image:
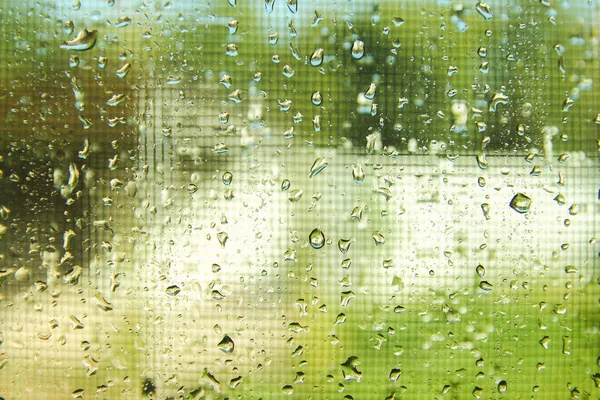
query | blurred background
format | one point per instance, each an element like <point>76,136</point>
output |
<point>310,199</point>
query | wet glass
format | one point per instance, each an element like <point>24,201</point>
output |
<point>348,199</point>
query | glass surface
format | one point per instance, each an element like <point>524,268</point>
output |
<point>336,199</point>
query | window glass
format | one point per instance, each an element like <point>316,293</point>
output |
<point>262,199</point>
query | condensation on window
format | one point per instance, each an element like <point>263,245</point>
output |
<point>337,199</point>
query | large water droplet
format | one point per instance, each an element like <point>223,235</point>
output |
<point>226,345</point>
<point>84,40</point>
<point>349,371</point>
<point>521,203</point>
<point>316,238</point>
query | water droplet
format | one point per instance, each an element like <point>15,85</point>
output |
<point>485,207</point>
<point>84,40</point>
<point>349,369</point>
<point>481,181</point>
<point>452,69</point>
<point>220,148</point>
<point>287,389</point>
<point>285,185</point>
<point>567,104</point>
<point>482,161</point>
<point>394,374</point>
<point>316,98</point>
<point>173,290</point>
<point>446,389</point>
<point>346,297</point>
<point>545,342</point>
<point>502,387</point>
<point>69,27</point>
<point>485,285</point>
<point>358,173</point>
<point>357,213</point>
<point>295,195</point>
<point>316,238</point>
<point>397,21</point>
<point>232,3</point>
<point>285,105</point>
<point>226,345</point>
<point>269,4</point>
<point>358,49</point>
<point>227,178</point>
<point>378,238</point>
<point>521,203</point>
<point>495,100</point>
<point>115,100</point>
<point>292,6</point>
<point>102,61</point>
<point>233,26</point>
<point>123,22</point>
<point>124,70</point>
<point>344,244</point>
<point>480,270</point>
<point>191,188</point>
<point>316,59</point>
<point>73,61</point>
<point>566,347</point>
<point>318,165</point>
<point>484,10</point>
<point>370,93</point>
<point>288,72</point>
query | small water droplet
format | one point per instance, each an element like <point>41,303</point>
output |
<point>124,70</point>
<point>378,238</point>
<point>295,195</point>
<point>357,213</point>
<point>287,389</point>
<point>358,49</point>
<point>285,185</point>
<point>495,100</point>
<point>316,238</point>
<point>318,165</point>
<point>371,91</point>
<point>480,270</point>
<point>316,59</point>
<point>292,6</point>
<point>545,342</point>
<point>485,285</point>
<point>484,10</point>
<point>173,290</point>
<point>358,173</point>
<point>482,161</point>
<point>233,26</point>
<point>567,104</point>
<point>222,237</point>
<point>227,178</point>
<point>316,98</point>
<point>344,245</point>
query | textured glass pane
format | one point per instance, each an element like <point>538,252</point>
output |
<point>336,199</point>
